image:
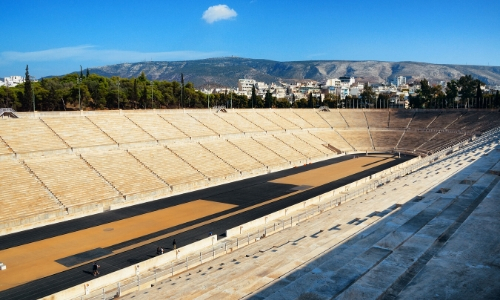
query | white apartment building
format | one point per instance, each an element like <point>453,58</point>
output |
<point>335,82</point>
<point>12,81</point>
<point>398,81</point>
<point>347,81</point>
<point>245,85</point>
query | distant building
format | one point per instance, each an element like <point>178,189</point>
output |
<point>245,85</point>
<point>334,82</point>
<point>347,81</point>
<point>12,81</point>
<point>398,81</point>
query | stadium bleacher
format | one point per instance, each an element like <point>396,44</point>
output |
<point>232,142</point>
<point>377,119</point>
<point>78,132</point>
<point>334,118</point>
<point>188,125</point>
<point>157,127</point>
<point>265,124</point>
<point>243,124</point>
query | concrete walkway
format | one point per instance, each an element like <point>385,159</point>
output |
<point>344,251</point>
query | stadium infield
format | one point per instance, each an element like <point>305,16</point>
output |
<point>51,258</point>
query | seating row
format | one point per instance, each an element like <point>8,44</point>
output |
<point>29,135</point>
<point>71,180</point>
<point>22,194</point>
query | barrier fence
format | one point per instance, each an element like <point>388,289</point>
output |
<point>150,277</point>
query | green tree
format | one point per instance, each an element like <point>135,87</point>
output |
<point>253,99</point>
<point>425,92</point>
<point>467,88</point>
<point>28,92</point>
<point>496,100</point>
<point>479,95</point>
<point>451,92</point>
<point>310,101</point>
<point>268,99</point>
<point>368,95</point>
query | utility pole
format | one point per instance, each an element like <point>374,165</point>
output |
<point>33,95</point>
<point>118,94</point>
<point>78,81</point>
<point>152,106</point>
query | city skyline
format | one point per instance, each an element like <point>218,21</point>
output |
<point>56,38</point>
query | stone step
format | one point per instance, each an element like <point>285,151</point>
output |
<point>391,275</point>
<point>355,253</point>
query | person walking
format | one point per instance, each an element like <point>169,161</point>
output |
<point>95,269</point>
<point>174,244</point>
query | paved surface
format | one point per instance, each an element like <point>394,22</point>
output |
<point>255,193</point>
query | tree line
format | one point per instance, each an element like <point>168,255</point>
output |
<point>95,92</point>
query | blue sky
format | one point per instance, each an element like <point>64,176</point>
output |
<point>56,37</point>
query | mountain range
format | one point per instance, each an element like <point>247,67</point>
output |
<point>225,71</point>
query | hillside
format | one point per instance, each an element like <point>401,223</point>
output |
<point>227,70</point>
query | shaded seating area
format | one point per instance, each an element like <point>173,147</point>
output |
<point>377,119</point>
<point>423,119</point>
<point>354,119</point>
<point>386,140</point>
<point>445,119</point>
<point>359,139</point>
<point>412,140</point>
<point>443,139</point>
<point>400,118</point>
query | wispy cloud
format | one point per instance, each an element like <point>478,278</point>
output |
<point>218,12</point>
<point>93,53</point>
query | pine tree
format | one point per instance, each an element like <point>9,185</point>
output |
<point>254,96</point>
<point>81,72</point>
<point>479,94</point>
<point>28,92</point>
<point>268,99</point>
<point>88,73</point>
<point>310,101</point>
<point>182,90</point>
<point>134,94</point>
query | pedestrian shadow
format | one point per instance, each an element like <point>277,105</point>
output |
<point>88,272</point>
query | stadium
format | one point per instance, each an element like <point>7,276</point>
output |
<point>261,203</point>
